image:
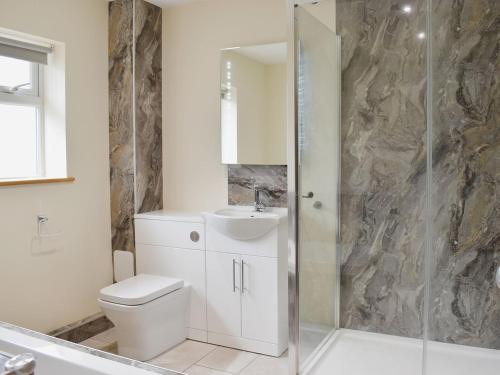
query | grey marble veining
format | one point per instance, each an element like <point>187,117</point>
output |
<point>135,135</point>
<point>121,137</point>
<point>383,166</point>
<point>272,179</point>
<point>465,302</point>
<point>148,104</point>
<point>384,170</point>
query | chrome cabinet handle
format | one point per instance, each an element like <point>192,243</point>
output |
<point>308,195</point>
<point>234,275</point>
<point>242,276</point>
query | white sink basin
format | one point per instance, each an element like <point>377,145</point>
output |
<point>242,224</point>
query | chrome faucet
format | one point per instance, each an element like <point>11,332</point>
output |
<point>22,364</point>
<point>258,205</point>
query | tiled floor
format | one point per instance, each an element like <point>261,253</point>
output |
<point>105,341</point>
<point>199,358</point>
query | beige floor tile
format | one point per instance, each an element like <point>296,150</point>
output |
<point>91,343</point>
<point>265,365</point>
<point>105,337</point>
<point>229,360</point>
<point>199,370</point>
<point>183,355</point>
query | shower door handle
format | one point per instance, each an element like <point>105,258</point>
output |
<point>308,195</point>
<point>498,276</point>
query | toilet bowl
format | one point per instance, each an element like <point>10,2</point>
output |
<point>149,313</point>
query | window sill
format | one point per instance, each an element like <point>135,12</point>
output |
<point>35,181</point>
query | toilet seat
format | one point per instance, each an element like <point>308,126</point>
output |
<point>140,289</point>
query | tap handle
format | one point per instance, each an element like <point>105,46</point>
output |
<point>22,364</point>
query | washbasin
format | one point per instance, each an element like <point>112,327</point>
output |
<point>242,224</point>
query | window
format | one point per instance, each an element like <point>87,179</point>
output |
<point>21,110</point>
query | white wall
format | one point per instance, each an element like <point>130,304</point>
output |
<point>46,292</point>
<point>193,35</point>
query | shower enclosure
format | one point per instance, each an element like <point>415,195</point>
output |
<point>395,190</point>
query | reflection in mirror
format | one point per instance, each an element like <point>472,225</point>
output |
<point>253,104</point>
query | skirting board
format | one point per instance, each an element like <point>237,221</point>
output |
<point>246,344</point>
<point>83,329</point>
<point>197,334</point>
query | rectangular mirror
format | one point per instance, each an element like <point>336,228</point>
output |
<point>253,104</point>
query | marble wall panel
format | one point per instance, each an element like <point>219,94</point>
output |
<point>271,178</point>
<point>148,104</point>
<point>384,169</point>
<point>465,302</point>
<point>121,136</point>
<point>135,115</point>
<point>383,166</point>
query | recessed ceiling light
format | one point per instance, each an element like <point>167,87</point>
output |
<point>421,35</point>
<point>407,9</point>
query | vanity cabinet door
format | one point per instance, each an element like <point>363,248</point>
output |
<point>259,298</point>
<point>223,293</point>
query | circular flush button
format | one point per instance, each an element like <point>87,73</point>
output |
<point>195,236</point>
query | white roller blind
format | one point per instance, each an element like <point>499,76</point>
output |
<point>24,51</point>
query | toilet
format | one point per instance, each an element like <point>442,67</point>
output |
<point>149,313</point>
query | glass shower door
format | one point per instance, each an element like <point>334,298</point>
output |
<point>317,174</point>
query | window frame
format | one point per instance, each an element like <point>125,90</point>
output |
<point>32,97</point>
<point>34,90</point>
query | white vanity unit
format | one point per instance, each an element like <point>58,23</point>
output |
<point>235,260</point>
<point>247,294</point>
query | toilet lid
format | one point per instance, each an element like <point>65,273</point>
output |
<point>140,289</point>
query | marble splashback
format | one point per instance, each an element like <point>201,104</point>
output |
<point>384,170</point>
<point>135,115</point>
<point>271,178</point>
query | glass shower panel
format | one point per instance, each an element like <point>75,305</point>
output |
<point>317,173</point>
<point>464,300</point>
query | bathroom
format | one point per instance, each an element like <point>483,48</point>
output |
<point>250,187</point>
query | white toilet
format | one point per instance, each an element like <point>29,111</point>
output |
<point>149,313</point>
